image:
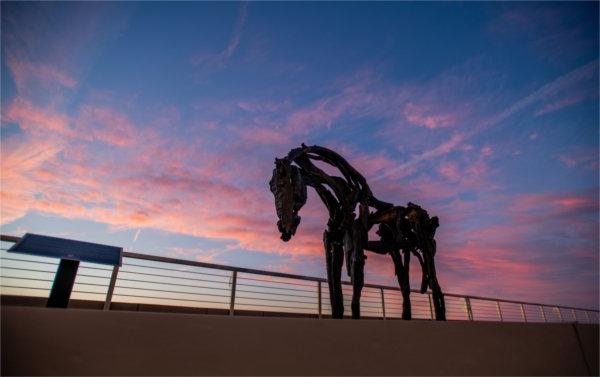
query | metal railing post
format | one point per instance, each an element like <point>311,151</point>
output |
<point>523,312</point>
<point>319,295</point>
<point>382,302</point>
<point>574,315</point>
<point>499,311</point>
<point>111,288</point>
<point>543,313</point>
<point>469,310</point>
<point>587,316</point>
<point>232,302</point>
<point>559,313</point>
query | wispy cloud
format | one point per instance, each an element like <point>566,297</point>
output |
<point>23,72</point>
<point>586,158</point>
<point>548,31</point>
<point>35,119</point>
<point>422,116</point>
<point>218,60</point>
<point>442,149</point>
<point>103,124</point>
<point>544,93</point>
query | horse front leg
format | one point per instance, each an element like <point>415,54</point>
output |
<point>337,297</point>
<point>328,265</point>
<point>358,266</point>
<point>402,276</point>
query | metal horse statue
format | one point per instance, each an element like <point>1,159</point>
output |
<point>402,231</point>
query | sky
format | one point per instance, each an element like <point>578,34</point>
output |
<point>154,126</point>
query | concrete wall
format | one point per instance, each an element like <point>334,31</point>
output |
<point>98,305</point>
<point>92,342</point>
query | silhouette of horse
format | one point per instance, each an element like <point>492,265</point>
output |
<point>402,230</point>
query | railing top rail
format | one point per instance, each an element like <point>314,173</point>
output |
<point>156,258</point>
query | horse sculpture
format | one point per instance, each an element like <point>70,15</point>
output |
<point>402,230</point>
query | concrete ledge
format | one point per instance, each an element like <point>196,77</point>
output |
<point>39,341</point>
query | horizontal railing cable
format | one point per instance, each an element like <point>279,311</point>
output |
<point>173,284</point>
<point>174,269</point>
<point>171,299</point>
<point>171,277</point>
<point>268,287</point>
<point>169,291</point>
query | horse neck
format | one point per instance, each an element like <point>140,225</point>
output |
<point>353,180</point>
<point>339,199</point>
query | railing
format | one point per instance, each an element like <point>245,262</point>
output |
<point>157,280</point>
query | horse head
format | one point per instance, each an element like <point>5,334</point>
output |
<point>289,191</point>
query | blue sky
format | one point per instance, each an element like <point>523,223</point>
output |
<point>154,126</point>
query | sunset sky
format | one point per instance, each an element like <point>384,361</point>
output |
<point>154,126</point>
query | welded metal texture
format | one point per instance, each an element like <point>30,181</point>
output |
<point>403,231</point>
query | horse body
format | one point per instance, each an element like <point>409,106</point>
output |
<point>403,230</point>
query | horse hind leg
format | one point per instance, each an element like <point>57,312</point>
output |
<point>337,300</point>
<point>406,285</point>
<point>357,284</point>
<point>438,299</point>
<point>436,292</point>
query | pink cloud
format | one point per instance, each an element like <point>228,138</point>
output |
<point>92,124</point>
<point>581,157</point>
<point>257,135</point>
<point>321,114</point>
<point>106,125</point>
<point>25,72</point>
<point>424,116</point>
<point>525,244</point>
<point>25,155</point>
<point>488,270</point>
<point>552,201</point>
<point>450,170</point>
<point>170,194</point>
<point>36,119</point>
<point>370,164</point>
<point>487,151</point>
